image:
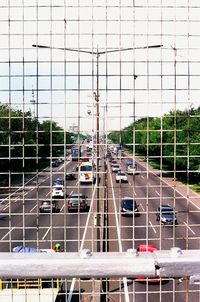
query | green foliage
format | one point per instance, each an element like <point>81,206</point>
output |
<point>173,139</point>
<point>27,144</point>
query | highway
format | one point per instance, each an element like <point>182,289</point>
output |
<point>150,191</point>
<point>22,224</point>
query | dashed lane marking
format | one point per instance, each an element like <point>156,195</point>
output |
<point>157,192</point>
<point>142,207</point>
<point>7,233</point>
<point>46,233</point>
<point>189,228</point>
<point>152,227</point>
<point>33,208</point>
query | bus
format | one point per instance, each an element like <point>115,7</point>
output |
<point>87,173</point>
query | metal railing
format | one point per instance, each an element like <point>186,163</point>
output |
<point>174,263</point>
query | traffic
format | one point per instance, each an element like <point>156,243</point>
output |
<point>61,208</point>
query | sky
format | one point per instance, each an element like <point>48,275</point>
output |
<point>63,82</point>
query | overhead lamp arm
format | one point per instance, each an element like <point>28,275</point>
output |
<point>97,52</point>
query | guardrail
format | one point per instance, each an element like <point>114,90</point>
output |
<point>174,263</point>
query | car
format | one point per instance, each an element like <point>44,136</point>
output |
<point>121,177</point>
<point>111,159</point>
<point>58,181</point>
<point>166,215</point>
<point>77,201</point>
<point>147,248</point>
<point>48,206</point>
<point>129,206</point>
<point>131,168</point>
<point>61,160</point>
<point>108,154</point>
<point>89,152</point>
<point>54,163</point>
<point>129,163</point>
<point>113,162</point>
<point>70,176</point>
<point>115,168</point>
<point>58,191</point>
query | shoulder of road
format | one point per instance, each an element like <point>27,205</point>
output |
<point>175,184</point>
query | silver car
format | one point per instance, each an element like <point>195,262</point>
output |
<point>76,202</point>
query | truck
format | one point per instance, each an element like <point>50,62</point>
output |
<point>118,151</point>
<point>75,153</point>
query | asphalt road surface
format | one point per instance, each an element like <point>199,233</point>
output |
<point>150,191</point>
<point>21,223</point>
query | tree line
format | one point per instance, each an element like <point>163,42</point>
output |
<point>26,144</point>
<point>171,142</point>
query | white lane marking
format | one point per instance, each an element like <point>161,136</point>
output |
<point>142,176</point>
<point>116,218</point>
<point>189,228</point>
<point>7,233</point>
<point>152,226</point>
<point>142,207</point>
<point>33,208</point>
<point>48,194</point>
<point>8,197</point>
<point>42,181</point>
<point>82,241</point>
<point>7,206</point>
<point>16,199</point>
<point>62,207</point>
<point>62,166</point>
<point>176,190</point>
<point>119,236</point>
<point>46,233</point>
<point>157,192</point>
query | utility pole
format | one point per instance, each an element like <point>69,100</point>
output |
<point>98,155</point>
<point>97,100</point>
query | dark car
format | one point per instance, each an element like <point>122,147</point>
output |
<point>48,206</point>
<point>55,163</point>
<point>58,181</point>
<point>129,207</point>
<point>111,159</point>
<point>70,176</point>
<point>76,202</point>
<point>113,162</point>
<point>166,215</point>
<point>108,154</point>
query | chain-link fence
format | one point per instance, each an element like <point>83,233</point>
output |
<point>99,150</point>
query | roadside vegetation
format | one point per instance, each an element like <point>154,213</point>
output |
<point>27,145</point>
<point>171,143</point>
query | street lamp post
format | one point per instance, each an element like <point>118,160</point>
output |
<point>96,94</point>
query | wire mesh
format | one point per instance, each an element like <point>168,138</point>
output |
<point>110,81</point>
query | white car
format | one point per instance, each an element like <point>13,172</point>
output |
<point>115,168</point>
<point>121,177</point>
<point>131,169</point>
<point>58,191</point>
